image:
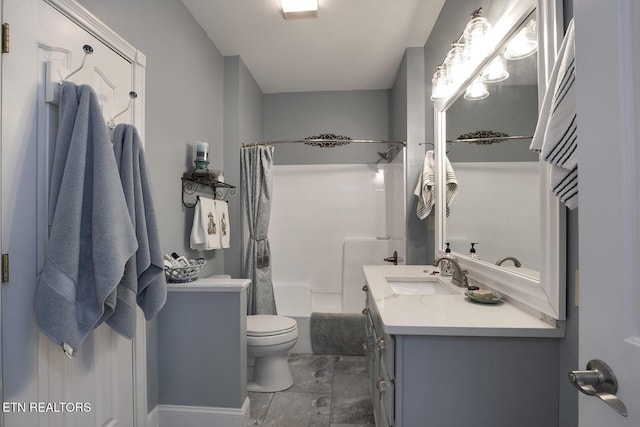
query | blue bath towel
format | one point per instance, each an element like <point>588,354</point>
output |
<point>91,235</point>
<point>143,282</point>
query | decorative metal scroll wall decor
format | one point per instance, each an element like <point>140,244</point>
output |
<point>327,140</point>
<point>483,137</point>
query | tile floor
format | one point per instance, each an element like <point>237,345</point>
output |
<point>327,391</point>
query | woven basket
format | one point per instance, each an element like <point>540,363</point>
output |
<point>185,274</point>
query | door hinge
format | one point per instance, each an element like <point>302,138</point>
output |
<point>5,268</point>
<point>5,38</point>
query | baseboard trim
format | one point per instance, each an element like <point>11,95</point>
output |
<point>152,417</point>
<point>198,416</point>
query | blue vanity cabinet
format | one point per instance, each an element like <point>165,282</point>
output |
<point>379,349</point>
<point>453,380</point>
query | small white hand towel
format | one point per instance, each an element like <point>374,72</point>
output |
<point>205,232</point>
<point>556,132</point>
<point>425,187</point>
<point>222,209</point>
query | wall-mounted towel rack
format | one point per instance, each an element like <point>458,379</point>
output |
<point>191,182</point>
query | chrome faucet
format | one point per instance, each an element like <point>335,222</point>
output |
<point>392,259</point>
<point>509,258</point>
<point>459,275</point>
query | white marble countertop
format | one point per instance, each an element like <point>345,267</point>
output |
<point>447,315</point>
<point>210,284</point>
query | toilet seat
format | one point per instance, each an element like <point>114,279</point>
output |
<point>262,325</point>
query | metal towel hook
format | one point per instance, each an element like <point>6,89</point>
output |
<point>88,50</point>
<point>132,95</point>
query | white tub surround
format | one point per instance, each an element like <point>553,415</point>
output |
<point>452,361</point>
<point>202,354</point>
<point>449,315</point>
<point>353,218</point>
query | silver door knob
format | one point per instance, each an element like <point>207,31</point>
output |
<point>598,380</point>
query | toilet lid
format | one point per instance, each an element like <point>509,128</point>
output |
<point>261,325</point>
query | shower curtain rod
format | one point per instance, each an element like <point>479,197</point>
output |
<point>318,140</point>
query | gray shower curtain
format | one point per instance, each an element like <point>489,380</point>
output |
<point>256,163</point>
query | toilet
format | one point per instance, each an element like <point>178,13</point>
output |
<point>269,339</point>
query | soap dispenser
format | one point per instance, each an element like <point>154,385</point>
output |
<point>472,251</point>
<point>446,269</point>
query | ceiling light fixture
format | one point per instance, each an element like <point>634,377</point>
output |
<point>299,8</point>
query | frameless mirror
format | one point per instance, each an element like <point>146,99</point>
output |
<point>502,205</point>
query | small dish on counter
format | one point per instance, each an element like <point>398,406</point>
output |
<point>482,297</point>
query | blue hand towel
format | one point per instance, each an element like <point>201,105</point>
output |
<point>91,235</point>
<point>143,282</point>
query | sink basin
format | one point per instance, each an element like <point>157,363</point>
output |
<point>424,287</point>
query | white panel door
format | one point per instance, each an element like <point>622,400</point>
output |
<point>97,388</point>
<point>608,92</point>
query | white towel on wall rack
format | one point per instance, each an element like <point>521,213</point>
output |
<point>426,186</point>
<point>222,209</point>
<point>556,135</point>
<point>205,231</point>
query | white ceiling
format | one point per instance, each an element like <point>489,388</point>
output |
<point>350,45</point>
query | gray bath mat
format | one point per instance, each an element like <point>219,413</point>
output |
<point>337,333</point>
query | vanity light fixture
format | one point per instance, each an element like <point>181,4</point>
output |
<point>476,34</point>
<point>299,8</point>
<point>439,86</point>
<point>496,71</point>
<point>470,49</point>
<point>476,90</point>
<point>455,63</point>
<point>524,43</point>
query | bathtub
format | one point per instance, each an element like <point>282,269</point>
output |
<point>294,300</point>
<point>299,299</point>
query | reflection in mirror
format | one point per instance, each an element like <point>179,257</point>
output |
<point>503,202</point>
<point>497,205</point>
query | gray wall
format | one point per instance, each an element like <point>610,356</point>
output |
<point>243,115</point>
<point>184,103</point>
<point>184,99</point>
<point>408,123</point>
<point>356,114</point>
